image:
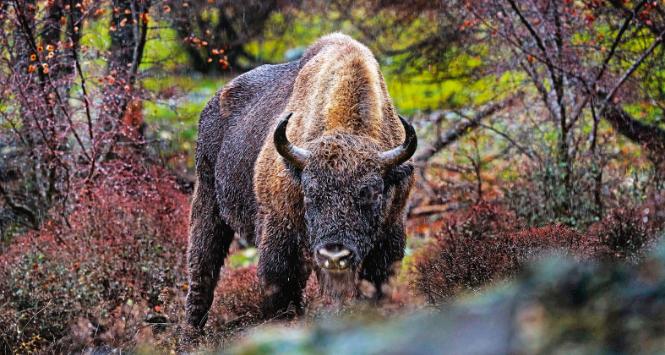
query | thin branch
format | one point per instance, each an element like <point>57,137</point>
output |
<point>459,131</point>
<point>591,88</point>
<point>532,31</point>
<point>77,63</point>
<point>616,42</point>
<point>46,79</point>
<point>594,130</point>
<point>525,151</point>
<point>636,64</point>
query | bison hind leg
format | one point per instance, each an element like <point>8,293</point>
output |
<point>209,242</point>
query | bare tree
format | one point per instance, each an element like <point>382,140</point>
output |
<point>53,137</point>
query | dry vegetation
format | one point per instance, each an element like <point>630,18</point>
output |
<point>541,132</point>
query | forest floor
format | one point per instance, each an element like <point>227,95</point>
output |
<point>114,277</point>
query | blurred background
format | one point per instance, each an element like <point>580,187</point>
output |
<point>541,130</point>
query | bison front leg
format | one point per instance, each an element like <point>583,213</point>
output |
<point>282,269</point>
<point>379,264</point>
<point>209,243</point>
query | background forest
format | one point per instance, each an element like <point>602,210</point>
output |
<point>540,175</point>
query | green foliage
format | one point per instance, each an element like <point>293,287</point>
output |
<point>243,258</point>
<point>423,92</point>
<point>163,50</point>
<point>284,34</point>
<point>174,119</point>
<point>413,86</point>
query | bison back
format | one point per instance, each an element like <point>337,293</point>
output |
<point>232,130</point>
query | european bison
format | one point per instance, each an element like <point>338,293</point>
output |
<point>310,158</point>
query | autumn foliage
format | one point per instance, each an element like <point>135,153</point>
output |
<point>487,244</point>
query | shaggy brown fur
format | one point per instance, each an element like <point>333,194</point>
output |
<point>343,115</point>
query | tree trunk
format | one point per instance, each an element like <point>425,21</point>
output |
<point>652,138</point>
<point>129,27</point>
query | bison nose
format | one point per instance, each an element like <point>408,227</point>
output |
<point>334,257</point>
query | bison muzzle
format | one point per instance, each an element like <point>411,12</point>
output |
<point>309,160</point>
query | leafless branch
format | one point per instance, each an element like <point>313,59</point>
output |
<point>461,129</point>
<point>656,42</point>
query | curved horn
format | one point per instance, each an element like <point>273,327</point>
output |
<point>293,154</point>
<point>399,155</point>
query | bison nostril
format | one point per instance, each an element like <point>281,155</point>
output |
<point>334,257</point>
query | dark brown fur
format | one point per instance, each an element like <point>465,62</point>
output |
<point>342,113</point>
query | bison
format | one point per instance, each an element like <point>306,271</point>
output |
<point>309,160</point>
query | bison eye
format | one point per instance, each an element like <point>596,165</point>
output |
<point>368,195</point>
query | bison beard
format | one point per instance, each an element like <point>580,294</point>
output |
<point>310,160</point>
<point>338,285</point>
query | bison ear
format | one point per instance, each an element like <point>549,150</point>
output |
<point>397,174</point>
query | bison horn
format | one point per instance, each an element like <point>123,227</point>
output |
<point>293,154</point>
<point>399,155</point>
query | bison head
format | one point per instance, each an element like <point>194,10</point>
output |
<point>348,185</point>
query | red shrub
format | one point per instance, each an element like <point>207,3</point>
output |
<point>625,233</point>
<point>105,273</point>
<point>482,246</point>
<point>237,297</point>
<point>485,243</point>
<point>552,237</point>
